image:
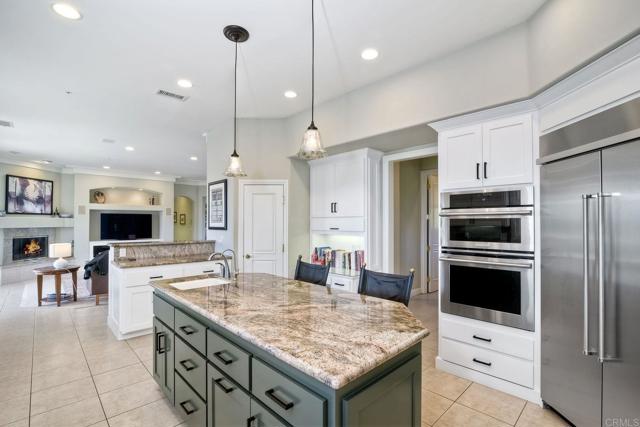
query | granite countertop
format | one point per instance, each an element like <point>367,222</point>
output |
<point>159,243</point>
<point>333,336</point>
<point>153,262</point>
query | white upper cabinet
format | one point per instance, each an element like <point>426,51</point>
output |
<point>460,157</point>
<point>499,152</point>
<point>322,177</point>
<point>507,151</point>
<point>349,188</point>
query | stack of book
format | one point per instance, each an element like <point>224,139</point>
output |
<point>338,258</point>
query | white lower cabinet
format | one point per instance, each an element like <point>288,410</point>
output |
<point>501,352</point>
<point>131,296</point>
<point>343,282</point>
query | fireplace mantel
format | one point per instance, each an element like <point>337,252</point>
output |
<point>35,221</point>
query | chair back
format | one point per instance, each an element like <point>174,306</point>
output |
<point>394,287</point>
<point>311,273</point>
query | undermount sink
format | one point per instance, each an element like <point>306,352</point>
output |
<point>200,283</point>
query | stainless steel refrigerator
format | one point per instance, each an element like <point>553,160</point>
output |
<point>590,228</point>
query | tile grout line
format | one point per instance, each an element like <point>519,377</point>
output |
<point>521,412</point>
<point>73,321</point>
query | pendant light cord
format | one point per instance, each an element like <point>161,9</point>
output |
<point>235,97</point>
<point>313,59</point>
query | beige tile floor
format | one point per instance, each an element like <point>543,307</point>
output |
<point>61,366</point>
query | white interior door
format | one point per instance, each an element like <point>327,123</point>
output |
<point>263,229</point>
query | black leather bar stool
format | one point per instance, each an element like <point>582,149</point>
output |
<point>311,273</point>
<point>394,287</point>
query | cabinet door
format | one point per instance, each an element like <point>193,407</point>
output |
<point>232,405</point>
<point>460,157</point>
<point>507,151</point>
<point>163,358</point>
<point>137,309</point>
<point>349,187</point>
<point>322,177</point>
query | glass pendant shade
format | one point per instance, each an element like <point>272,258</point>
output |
<point>235,166</point>
<point>311,147</point>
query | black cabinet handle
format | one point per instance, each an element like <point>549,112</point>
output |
<point>335,207</point>
<point>250,421</point>
<point>482,362</point>
<point>155,277</point>
<point>218,355</point>
<point>188,365</point>
<point>225,389</point>
<point>160,345</point>
<point>284,405</point>
<point>334,228</point>
<point>338,284</point>
<point>208,271</point>
<point>485,170</point>
<point>189,410</point>
<point>482,339</point>
<point>477,170</point>
<point>188,329</point>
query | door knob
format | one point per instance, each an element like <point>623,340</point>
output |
<point>247,256</point>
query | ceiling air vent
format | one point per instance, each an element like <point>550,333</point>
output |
<point>6,123</point>
<point>172,95</point>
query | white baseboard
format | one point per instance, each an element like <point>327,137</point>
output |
<point>478,377</point>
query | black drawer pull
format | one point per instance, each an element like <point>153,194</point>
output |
<point>160,342</point>
<point>218,355</point>
<point>225,389</point>
<point>188,329</point>
<point>188,365</point>
<point>208,271</point>
<point>250,421</point>
<point>482,339</point>
<point>334,228</point>
<point>284,405</point>
<point>482,362</point>
<point>155,277</point>
<point>190,410</point>
<point>338,284</point>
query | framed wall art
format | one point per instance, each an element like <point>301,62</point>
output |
<point>217,205</point>
<point>28,196</point>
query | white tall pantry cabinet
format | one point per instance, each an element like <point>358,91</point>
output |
<point>346,208</point>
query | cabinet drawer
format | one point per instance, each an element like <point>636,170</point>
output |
<point>163,311</point>
<point>337,224</point>
<point>191,331</point>
<point>344,283</point>
<point>231,404</point>
<point>499,365</point>
<point>191,366</point>
<point>200,268</point>
<point>189,405</point>
<point>489,338</point>
<point>290,400</point>
<point>229,358</point>
<point>261,417</point>
<point>142,276</point>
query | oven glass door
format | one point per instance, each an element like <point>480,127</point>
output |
<point>487,230</point>
<point>497,290</point>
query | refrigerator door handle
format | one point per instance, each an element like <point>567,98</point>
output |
<point>586,350</point>
<point>602,357</point>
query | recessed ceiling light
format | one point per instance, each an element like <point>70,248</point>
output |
<point>369,54</point>
<point>106,167</point>
<point>129,148</point>
<point>290,94</point>
<point>185,83</point>
<point>194,158</point>
<point>157,172</point>
<point>67,11</point>
<point>44,162</point>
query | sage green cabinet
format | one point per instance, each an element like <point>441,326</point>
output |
<point>163,353</point>
<point>393,399</point>
<point>261,417</point>
<point>190,406</point>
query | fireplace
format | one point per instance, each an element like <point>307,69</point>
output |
<point>30,247</point>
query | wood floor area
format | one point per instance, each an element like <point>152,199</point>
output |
<point>62,367</point>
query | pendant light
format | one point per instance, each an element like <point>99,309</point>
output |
<point>237,35</point>
<point>311,147</point>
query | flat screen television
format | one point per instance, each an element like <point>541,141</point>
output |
<point>125,226</point>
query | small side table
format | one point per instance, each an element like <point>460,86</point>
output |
<point>57,272</point>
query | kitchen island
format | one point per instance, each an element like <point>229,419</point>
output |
<point>269,351</point>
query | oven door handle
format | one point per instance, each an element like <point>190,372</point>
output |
<point>496,263</point>
<point>510,213</point>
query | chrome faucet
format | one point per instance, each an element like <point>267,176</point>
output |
<point>226,271</point>
<point>236,271</point>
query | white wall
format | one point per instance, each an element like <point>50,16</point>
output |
<point>84,183</point>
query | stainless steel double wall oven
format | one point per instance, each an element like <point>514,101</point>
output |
<point>487,255</point>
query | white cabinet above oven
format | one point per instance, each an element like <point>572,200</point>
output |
<point>499,152</point>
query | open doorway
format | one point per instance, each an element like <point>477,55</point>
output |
<point>410,217</point>
<point>183,219</point>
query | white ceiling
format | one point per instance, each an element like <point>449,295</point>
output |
<point>115,59</point>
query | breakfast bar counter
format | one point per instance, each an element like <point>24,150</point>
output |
<point>300,353</point>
